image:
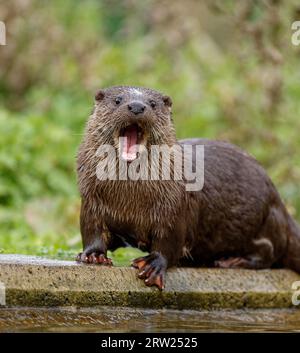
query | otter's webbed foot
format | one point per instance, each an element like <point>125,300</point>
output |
<point>152,269</point>
<point>93,257</point>
<point>237,262</point>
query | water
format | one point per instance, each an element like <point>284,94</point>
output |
<point>105,319</point>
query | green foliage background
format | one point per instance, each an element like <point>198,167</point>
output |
<point>229,66</point>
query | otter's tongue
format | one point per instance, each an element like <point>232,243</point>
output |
<point>130,138</point>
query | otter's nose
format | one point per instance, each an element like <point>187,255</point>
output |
<point>136,107</point>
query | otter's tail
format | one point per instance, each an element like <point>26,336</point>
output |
<point>292,257</point>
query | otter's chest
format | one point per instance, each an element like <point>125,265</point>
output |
<point>138,205</point>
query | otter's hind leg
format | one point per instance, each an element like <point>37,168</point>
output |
<point>266,248</point>
<point>240,262</point>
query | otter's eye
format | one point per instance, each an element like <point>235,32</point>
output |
<point>118,100</point>
<point>152,104</point>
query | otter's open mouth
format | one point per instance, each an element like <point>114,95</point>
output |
<point>130,137</point>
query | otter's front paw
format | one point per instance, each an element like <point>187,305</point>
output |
<point>152,269</point>
<point>93,258</point>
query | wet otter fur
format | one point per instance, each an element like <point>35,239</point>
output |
<point>236,221</point>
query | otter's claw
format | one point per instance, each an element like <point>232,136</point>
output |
<point>139,263</point>
<point>152,269</point>
<point>94,258</point>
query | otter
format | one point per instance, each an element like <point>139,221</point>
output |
<point>236,220</point>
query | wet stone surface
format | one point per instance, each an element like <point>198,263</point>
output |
<point>37,282</point>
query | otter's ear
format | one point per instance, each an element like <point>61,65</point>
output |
<point>99,95</point>
<point>168,101</point>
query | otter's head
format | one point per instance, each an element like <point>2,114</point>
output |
<point>139,116</point>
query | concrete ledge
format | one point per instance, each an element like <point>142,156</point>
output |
<point>32,281</point>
